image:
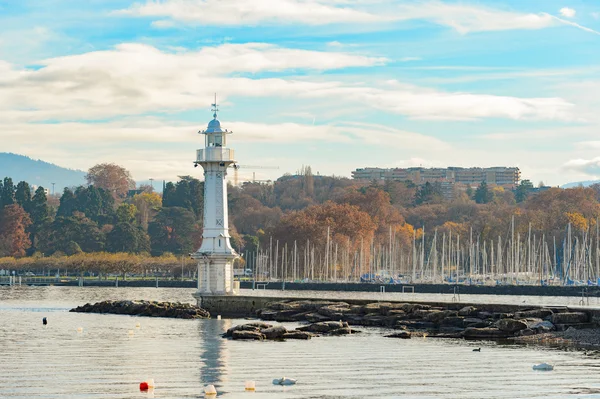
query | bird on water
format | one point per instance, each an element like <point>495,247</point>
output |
<point>44,321</point>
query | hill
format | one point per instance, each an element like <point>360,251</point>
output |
<point>39,173</point>
<point>585,183</point>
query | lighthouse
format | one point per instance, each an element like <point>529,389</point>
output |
<point>215,256</point>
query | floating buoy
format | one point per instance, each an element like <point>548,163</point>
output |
<point>79,329</point>
<point>543,367</point>
<point>44,321</point>
<point>284,381</point>
<point>218,317</point>
<point>130,332</point>
<point>250,385</point>
<point>137,325</point>
<point>144,386</point>
<point>210,390</point>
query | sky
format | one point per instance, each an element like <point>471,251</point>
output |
<point>334,84</point>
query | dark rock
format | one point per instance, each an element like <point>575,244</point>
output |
<point>247,335</point>
<point>335,312</point>
<point>569,318</point>
<point>297,335</point>
<point>484,315</point>
<point>510,325</point>
<point>542,326</point>
<point>287,315</point>
<point>323,327</point>
<point>401,334</point>
<point>526,332</point>
<point>411,307</point>
<point>315,317</point>
<point>276,332</point>
<point>247,327</point>
<point>439,315</point>
<point>534,313</point>
<point>484,333</point>
<point>454,321</point>
<point>340,331</point>
<point>467,311</point>
<point>373,319</point>
<point>269,314</point>
<point>475,322</point>
<point>415,325</point>
<point>504,315</point>
<point>146,308</point>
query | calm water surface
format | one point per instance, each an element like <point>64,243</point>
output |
<point>105,361</point>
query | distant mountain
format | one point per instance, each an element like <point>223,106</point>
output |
<point>39,173</point>
<point>585,183</point>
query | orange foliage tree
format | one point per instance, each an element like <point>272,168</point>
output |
<point>14,240</point>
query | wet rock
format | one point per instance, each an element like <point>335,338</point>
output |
<point>315,317</point>
<point>484,333</point>
<point>467,311</point>
<point>454,321</point>
<point>485,315</point>
<point>411,307</point>
<point>475,322</point>
<point>247,327</point>
<point>268,314</point>
<point>401,334</point>
<point>504,315</point>
<point>415,325</point>
<point>569,318</point>
<point>340,331</point>
<point>510,325</point>
<point>146,308</point>
<point>373,319</point>
<point>297,335</point>
<point>275,332</point>
<point>423,313</point>
<point>323,327</point>
<point>247,335</point>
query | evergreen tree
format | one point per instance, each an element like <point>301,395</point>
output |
<point>127,237</point>
<point>173,231</point>
<point>39,215</point>
<point>8,192</point>
<point>68,203</point>
<point>23,195</point>
<point>169,196</point>
<point>523,190</point>
<point>483,194</point>
<point>428,193</point>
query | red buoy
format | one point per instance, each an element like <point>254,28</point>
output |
<point>143,386</point>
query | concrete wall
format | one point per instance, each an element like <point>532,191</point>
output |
<point>435,288</point>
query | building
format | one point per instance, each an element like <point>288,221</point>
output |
<point>508,177</point>
<point>215,256</point>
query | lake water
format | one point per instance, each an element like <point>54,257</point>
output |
<point>105,361</point>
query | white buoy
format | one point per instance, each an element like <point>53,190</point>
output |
<point>130,332</point>
<point>284,381</point>
<point>150,382</point>
<point>210,390</point>
<point>138,325</point>
<point>218,317</point>
<point>79,329</point>
<point>250,385</point>
<point>543,367</point>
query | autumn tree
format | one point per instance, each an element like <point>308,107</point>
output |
<point>114,178</point>
<point>14,240</point>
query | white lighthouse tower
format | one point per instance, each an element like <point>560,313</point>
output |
<point>215,256</point>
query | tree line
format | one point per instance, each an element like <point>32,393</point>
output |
<point>109,215</point>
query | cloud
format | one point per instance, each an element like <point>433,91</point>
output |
<point>567,12</point>
<point>587,166</point>
<point>463,18</point>
<point>241,12</point>
<point>164,149</point>
<point>134,79</point>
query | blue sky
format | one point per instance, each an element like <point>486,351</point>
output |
<point>329,83</point>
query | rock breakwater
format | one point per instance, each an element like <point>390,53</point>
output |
<point>452,321</point>
<point>262,331</point>
<point>175,310</point>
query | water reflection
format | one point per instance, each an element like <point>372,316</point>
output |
<point>214,353</point>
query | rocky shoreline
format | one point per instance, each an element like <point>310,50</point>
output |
<point>175,310</point>
<point>452,321</point>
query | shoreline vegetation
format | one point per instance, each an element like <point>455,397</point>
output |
<point>306,227</point>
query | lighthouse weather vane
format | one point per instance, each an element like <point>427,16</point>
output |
<point>215,107</point>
